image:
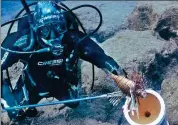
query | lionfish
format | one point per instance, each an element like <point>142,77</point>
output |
<point>132,87</point>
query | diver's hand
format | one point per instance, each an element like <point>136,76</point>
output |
<point>116,71</point>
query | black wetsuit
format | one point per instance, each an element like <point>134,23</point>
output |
<point>41,66</point>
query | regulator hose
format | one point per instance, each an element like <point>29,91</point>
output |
<point>81,25</point>
<point>13,20</point>
<point>29,52</point>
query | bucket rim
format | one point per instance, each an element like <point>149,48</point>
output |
<point>160,116</point>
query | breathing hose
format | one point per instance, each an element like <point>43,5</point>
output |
<point>93,68</point>
<point>29,52</point>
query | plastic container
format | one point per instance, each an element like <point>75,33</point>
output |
<point>151,110</point>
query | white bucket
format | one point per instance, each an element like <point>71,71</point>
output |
<point>151,110</point>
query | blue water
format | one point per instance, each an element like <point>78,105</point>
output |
<point>10,8</point>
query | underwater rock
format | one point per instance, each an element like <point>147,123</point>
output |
<point>142,18</point>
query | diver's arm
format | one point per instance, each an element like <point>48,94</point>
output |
<point>93,53</point>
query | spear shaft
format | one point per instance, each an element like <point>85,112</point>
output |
<point>108,95</point>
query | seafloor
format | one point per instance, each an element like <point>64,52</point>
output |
<point>131,41</point>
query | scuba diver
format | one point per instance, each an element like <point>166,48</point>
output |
<point>53,73</point>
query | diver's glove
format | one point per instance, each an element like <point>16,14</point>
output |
<point>115,72</point>
<point>112,67</point>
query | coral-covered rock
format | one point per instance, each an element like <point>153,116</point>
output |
<point>142,18</point>
<point>167,25</point>
<point>170,96</point>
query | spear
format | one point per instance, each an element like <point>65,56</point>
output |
<point>108,95</point>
